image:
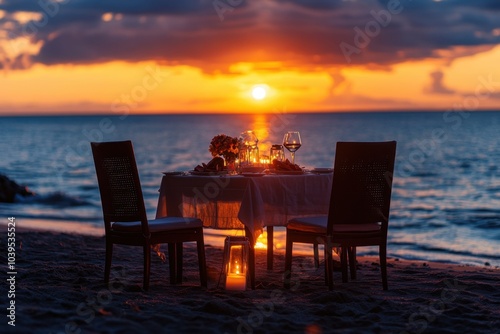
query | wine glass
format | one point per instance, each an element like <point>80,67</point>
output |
<point>292,142</point>
<point>249,147</point>
<point>249,138</point>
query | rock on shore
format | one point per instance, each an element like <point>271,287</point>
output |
<point>9,190</point>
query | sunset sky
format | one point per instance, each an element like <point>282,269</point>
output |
<point>152,56</point>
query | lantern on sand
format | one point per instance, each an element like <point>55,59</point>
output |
<point>236,251</point>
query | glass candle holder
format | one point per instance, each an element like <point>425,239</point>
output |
<point>276,153</point>
<point>236,253</point>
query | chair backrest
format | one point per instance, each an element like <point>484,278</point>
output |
<point>119,184</point>
<point>362,183</point>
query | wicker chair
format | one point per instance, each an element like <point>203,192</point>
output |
<point>359,209</point>
<point>125,218</point>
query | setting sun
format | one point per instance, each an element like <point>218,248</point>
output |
<point>259,92</point>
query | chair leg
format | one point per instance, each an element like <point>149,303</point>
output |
<point>343,263</point>
<point>252,266</point>
<point>288,263</point>
<point>352,261</point>
<point>147,265</point>
<point>325,255</point>
<point>202,263</point>
<point>251,258</point>
<point>179,252</point>
<point>329,264</point>
<point>172,262</point>
<point>316,255</point>
<point>107,264</point>
<point>270,249</point>
<point>383,265</point>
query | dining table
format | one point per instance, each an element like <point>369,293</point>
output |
<point>250,201</point>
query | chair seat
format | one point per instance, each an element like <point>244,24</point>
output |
<point>159,225</point>
<point>318,224</point>
<point>315,224</point>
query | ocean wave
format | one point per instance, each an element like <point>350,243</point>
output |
<point>424,174</point>
<point>90,187</point>
<point>56,199</point>
<point>481,218</point>
<point>435,249</point>
<point>53,216</point>
<point>471,210</point>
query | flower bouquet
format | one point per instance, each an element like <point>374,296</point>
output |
<point>225,146</point>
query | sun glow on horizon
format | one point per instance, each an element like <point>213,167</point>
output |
<point>151,87</point>
<point>259,92</point>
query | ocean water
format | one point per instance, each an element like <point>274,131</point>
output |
<point>446,194</point>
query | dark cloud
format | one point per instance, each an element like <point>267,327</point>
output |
<point>133,7</point>
<point>314,4</point>
<point>305,33</point>
<point>437,86</point>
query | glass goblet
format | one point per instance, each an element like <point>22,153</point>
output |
<point>292,142</point>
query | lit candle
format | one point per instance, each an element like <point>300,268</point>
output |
<point>235,279</point>
<point>236,282</point>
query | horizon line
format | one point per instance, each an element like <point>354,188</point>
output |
<point>178,113</point>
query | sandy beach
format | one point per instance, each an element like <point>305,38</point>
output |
<point>59,289</point>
